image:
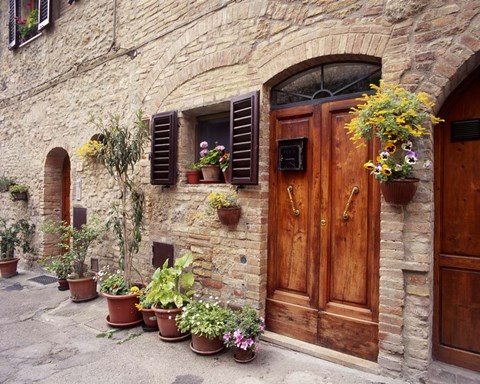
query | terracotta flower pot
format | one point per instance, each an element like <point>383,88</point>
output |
<point>229,216</point>
<point>84,289</point>
<point>63,285</point>
<point>8,267</point>
<point>242,356</point>
<point>167,323</point>
<point>149,318</point>
<point>122,311</point>
<point>227,175</point>
<point>205,346</point>
<point>193,177</point>
<point>399,191</point>
<point>211,172</point>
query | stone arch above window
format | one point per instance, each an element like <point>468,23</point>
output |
<point>326,81</point>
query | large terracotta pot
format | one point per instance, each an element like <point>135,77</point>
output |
<point>8,267</point>
<point>399,191</point>
<point>84,289</point>
<point>205,346</point>
<point>229,216</point>
<point>193,177</point>
<point>211,172</point>
<point>167,323</point>
<point>122,311</point>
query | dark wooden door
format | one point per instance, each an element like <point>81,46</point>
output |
<point>66,190</point>
<point>457,230</point>
<point>323,263</point>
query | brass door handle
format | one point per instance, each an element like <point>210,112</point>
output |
<point>355,191</point>
<point>296,212</point>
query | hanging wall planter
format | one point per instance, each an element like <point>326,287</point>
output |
<point>229,216</point>
<point>399,191</point>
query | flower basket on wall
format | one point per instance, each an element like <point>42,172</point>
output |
<point>399,191</point>
<point>229,216</point>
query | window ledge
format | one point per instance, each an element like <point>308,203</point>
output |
<point>30,40</point>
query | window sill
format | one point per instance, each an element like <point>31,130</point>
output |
<point>30,40</point>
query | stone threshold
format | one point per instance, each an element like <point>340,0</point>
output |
<point>321,352</point>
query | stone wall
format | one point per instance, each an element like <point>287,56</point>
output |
<point>193,57</point>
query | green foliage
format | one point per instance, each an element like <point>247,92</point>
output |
<point>28,27</point>
<point>5,183</point>
<point>210,156</point>
<point>75,242</point>
<point>19,233</point>
<point>18,188</point>
<point>114,285</point>
<point>204,318</point>
<point>122,149</point>
<point>170,286</point>
<point>60,265</point>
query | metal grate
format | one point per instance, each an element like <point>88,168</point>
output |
<point>44,279</point>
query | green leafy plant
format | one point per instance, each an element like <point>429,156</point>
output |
<point>204,318</point>
<point>75,242</point>
<point>28,27</point>
<point>144,301</point>
<point>243,329</point>
<point>18,233</point>
<point>195,166</point>
<point>5,183</point>
<point>397,117</point>
<point>170,286</point>
<point>210,156</point>
<point>223,199</point>
<point>122,148</point>
<point>60,265</point>
<point>18,188</point>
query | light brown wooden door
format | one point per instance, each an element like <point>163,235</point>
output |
<point>457,230</point>
<point>323,263</point>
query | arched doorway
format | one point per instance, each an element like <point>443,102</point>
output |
<point>456,338</point>
<point>56,194</point>
<point>323,247</point>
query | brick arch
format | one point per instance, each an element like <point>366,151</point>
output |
<point>340,45</point>
<point>57,163</point>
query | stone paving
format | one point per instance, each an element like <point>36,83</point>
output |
<point>45,338</point>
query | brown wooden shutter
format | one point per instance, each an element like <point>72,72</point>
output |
<point>12,25</point>
<point>164,149</point>
<point>244,119</point>
<point>43,13</point>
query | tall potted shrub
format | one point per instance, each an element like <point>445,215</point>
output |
<point>169,291</point>
<point>75,244</point>
<point>121,149</point>
<point>12,235</point>
<point>397,117</point>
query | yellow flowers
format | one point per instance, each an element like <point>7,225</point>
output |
<point>222,200</point>
<point>89,149</point>
<point>392,114</point>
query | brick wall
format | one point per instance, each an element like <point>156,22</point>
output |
<point>193,58</point>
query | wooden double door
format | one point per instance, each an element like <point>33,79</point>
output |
<point>323,234</point>
<point>456,337</point>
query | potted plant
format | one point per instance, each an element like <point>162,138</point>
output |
<point>169,290</point>
<point>62,267</point>
<point>75,243</point>
<point>206,320</point>
<point>397,117</point>
<point>194,174</point>
<point>5,183</point>
<point>19,191</point>
<point>28,27</point>
<point>89,150</point>
<point>226,205</point>
<point>225,167</point>
<point>121,299</point>
<point>145,307</point>
<point>243,330</point>
<point>12,235</point>
<point>210,161</point>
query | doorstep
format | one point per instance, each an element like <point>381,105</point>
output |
<point>321,352</point>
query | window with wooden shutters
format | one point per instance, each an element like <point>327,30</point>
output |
<point>163,156</point>
<point>12,25</point>
<point>244,120</point>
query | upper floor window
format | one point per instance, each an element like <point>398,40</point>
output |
<point>27,19</point>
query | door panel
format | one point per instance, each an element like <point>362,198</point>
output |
<point>323,268</point>
<point>456,338</point>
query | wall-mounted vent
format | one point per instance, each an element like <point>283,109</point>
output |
<point>79,217</point>
<point>464,130</point>
<point>162,252</point>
